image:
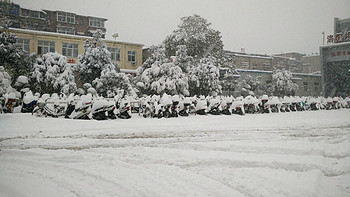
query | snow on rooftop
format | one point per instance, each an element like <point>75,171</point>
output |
<point>289,58</point>
<point>253,56</point>
<point>69,35</point>
<point>128,71</point>
<point>316,74</point>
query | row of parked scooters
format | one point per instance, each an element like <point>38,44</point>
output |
<point>91,107</point>
<point>172,106</point>
<point>73,106</point>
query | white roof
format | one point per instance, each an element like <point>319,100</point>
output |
<point>128,71</point>
<point>68,35</point>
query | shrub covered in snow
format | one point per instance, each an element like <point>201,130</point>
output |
<point>204,78</point>
<point>158,75</point>
<point>111,82</point>
<point>14,60</point>
<point>228,81</point>
<point>282,84</point>
<point>5,82</point>
<point>250,86</point>
<point>96,67</point>
<point>52,74</point>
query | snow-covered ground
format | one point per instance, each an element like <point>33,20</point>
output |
<point>291,154</point>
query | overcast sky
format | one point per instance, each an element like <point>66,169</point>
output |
<point>258,26</point>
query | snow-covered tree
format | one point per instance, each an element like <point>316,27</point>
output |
<point>282,84</point>
<point>182,60</point>
<point>250,86</point>
<point>15,61</point>
<point>158,75</point>
<point>95,58</point>
<point>228,79</point>
<point>52,74</point>
<point>96,67</point>
<point>5,82</point>
<point>157,55</point>
<point>204,78</point>
<point>196,34</point>
<point>111,82</point>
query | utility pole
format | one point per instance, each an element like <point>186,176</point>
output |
<point>323,37</point>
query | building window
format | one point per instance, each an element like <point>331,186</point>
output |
<point>316,87</point>
<point>45,46</point>
<point>267,67</point>
<point>24,12</point>
<point>131,56</point>
<point>69,49</point>
<point>115,53</point>
<point>306,86</point>
<point>34,14</point>
<point>23,44</point>
<point>66,30</point>
<point>245,65</point>
<point>65,17</point>
<point>96,22</point>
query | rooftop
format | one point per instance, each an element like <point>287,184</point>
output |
<point>68,35</point>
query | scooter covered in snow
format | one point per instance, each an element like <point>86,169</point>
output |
<point>99,110</point>
<point>167,104</point>
<point>214,107</point>
<point>82,108</point>
<point>263,107</point>
<point>29,102</point>
<point>226,104</point>
<point>10,103</point>
<point>175,106</point>
<point>184,107</point>
<point>201,107</point>
<point>71,102</point>
<point>55,106</point>
<point>123,109</point>
<point>238,106</point>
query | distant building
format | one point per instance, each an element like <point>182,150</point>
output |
<point>252,61</point>
<point>335,61</point>
<point>308,84</point>
<point>51,21</point>
<point>288,61</point>
<point>43,31</point>
<point>301,63</point>
<point>311,64</point>
<point>127,55</point>
<point>262,65</point>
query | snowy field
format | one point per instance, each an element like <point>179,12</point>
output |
<point>291,154</point>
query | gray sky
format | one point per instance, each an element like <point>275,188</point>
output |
<point>258,26</point>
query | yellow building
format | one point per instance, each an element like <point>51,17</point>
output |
<point>127,55</point>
